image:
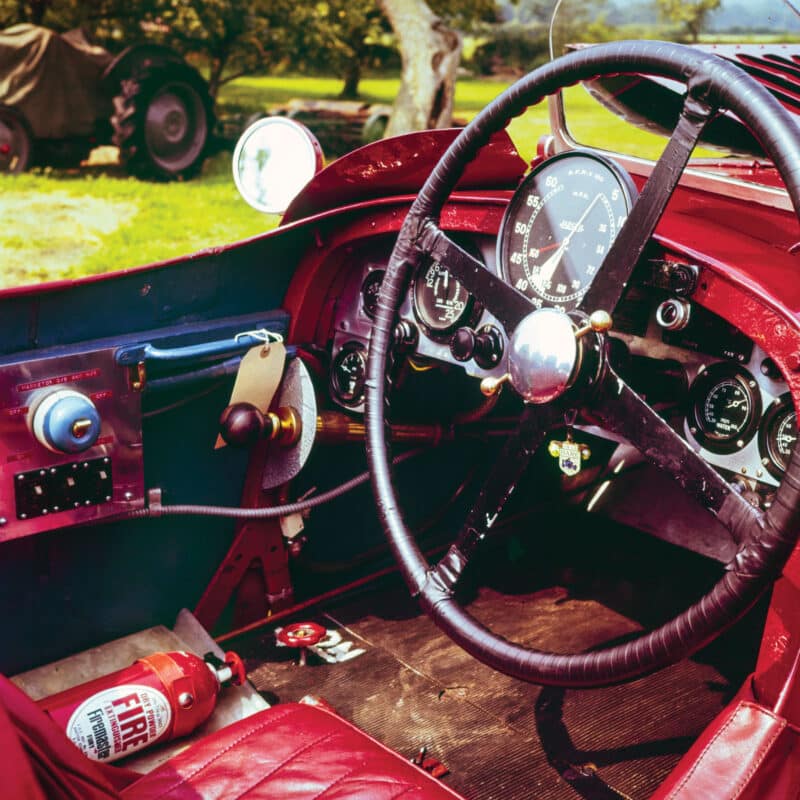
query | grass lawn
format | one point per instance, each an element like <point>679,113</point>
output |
<point>67,224</point>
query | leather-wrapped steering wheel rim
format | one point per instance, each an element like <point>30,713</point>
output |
<point>767,539</point>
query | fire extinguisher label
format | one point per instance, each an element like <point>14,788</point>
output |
<point>119,721</point>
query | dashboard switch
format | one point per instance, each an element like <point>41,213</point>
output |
<point>485,346</point>
<point>66,421</point>
<point>462,345</point>
<point>673,314</point>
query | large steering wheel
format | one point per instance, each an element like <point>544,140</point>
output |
<point>553,371</point>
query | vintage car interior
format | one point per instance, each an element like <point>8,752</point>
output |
<point>482,466</point>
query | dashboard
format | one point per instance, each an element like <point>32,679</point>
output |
<point>718,389</point>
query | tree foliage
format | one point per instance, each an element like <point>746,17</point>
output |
<point>692,15</point>
<point>235,37</point>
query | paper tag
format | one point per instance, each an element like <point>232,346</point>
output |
<point>292,525</point>
<point>258,378</point>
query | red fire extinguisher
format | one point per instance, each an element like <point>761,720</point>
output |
<point>157,698</point>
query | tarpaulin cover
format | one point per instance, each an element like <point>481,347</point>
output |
<point>53,79</point>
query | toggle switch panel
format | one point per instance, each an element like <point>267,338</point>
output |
<point>63,488</point>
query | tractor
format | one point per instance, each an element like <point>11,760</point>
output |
<point>61,96</point>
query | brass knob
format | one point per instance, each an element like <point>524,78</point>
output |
<point>286,426</point>
<point>599,322</point>
<point>491,386</point>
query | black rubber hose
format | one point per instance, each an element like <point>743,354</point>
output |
<point>233,512</point>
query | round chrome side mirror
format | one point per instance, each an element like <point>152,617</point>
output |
<point>273,160</point>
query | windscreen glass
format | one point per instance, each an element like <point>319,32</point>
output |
<point>634,115</point>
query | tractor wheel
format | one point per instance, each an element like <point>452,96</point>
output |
<point>163,120</point>
<point>16,141</point>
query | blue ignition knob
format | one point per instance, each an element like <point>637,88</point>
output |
<point>66,421</point>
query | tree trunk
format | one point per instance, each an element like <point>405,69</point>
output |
<point>216,68</point>
<point>430,54</point>
<point>352,77</point>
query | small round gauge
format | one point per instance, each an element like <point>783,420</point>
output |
<point>369,292</point>
<point>441,303</point>
<point>725,408</point>
<point>561,224</point>
<point>778,435</point>
<point>348,374</point>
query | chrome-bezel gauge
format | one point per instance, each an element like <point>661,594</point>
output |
<point>560,225</point>
<point>349,374</point>
<point>441,304</point>
<point>777,435</point>
<point>725,408</point>
<point>370,289</point>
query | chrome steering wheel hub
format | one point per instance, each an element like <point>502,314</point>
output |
<point>544,356</point>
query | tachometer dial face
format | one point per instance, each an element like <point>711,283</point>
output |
<point>439,299</point>
<point>726,408</point>
<point>778,435</point>
<point>560,225</point>
<point>441,303</point>
<point>348,374</point>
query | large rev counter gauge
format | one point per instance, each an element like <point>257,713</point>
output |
<point>725,408</point>
<point>560,225</point>
<point>778,435</point>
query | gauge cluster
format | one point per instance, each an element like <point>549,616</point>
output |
<point>356,305</point>
<point>557,229</point>
<point>742,419</point>
<point>738,413</point>
<point>447,322</point>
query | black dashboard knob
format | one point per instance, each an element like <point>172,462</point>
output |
<point>485,346</point>
<point>462,344</point>
<point>241,425</point>
<point>488,347</point>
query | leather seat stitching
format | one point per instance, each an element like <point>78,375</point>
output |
<point>761,755</point>
<point>404,784</point>
<point>337,781</point>
<point>264,724</point>
<point>291,758</point>
<point>701,757</point>
<point>404,791</point>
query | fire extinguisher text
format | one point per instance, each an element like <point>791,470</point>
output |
<point>132,721</point>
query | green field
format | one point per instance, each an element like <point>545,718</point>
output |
<point>66,224</point>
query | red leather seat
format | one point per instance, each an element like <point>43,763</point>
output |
<point>289,752</point>
<point>747,753</point>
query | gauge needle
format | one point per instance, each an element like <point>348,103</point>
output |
<point>547,270</point>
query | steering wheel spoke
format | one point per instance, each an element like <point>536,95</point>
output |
<point>508,469</point>
<point>507,304</point>
<point>623,255</point>
<point>624,412</point>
